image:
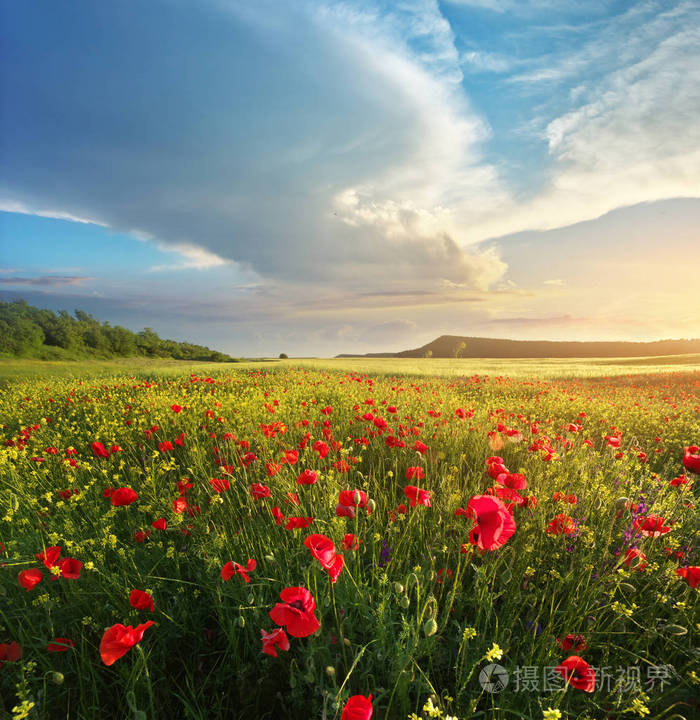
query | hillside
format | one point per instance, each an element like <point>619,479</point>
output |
<point>30,332</point>
<point>451,346</point>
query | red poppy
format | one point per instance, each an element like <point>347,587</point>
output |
<point>278,515</point>
<point>493,526</point>
<point>351,542</point>
<point>347,511</point>
<point>99,450</point>
<point>272,468</point>
<point>160,524</point>
<point>417,496</point>
<point>308,477</point>
<point>232,568</point>
<point>358,707</point>
<point>70,568</point>
<point>571,641</point>
<point>60,644</point>
<point>119,639</point>
<point>691,574</point>
<point>561,525</point>
<point>679,481</point>
<point>415,472</point>
<point>140,600</point>
<point>578,673</point>
<point>291,456</point>
<point>635,558</point>
<point>10,652</point>
<point>420,447</point>
<point>323,549</point>
<point>296,612</point>
<point>124,496</point>
<point>273,640</point>
<point>298,523</point>
<point>321,448</point>
<point>219,485</point>
<point>691,459</point>
<point>358,498</point>
<point>29,579</point>
<point>515,481</point>
<point>259,491</point>
<point>49,556</point>
<point>179,505</point>
<point>175,408</point>
<point>651,525</point>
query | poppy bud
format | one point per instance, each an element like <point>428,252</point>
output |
<point>330,671</point>
<point>430,627</point>
<point>371,506</point>
<point>621,503</point>
<point>404,602</point>
<point>56,678</point>
<point>398,588</point>
<point>270,558</point>
<point>240,621</point>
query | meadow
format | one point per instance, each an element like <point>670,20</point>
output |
<point>350,539</point>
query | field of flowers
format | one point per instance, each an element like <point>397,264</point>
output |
<point>299,542</point>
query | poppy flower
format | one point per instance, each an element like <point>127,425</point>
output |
<point>60,644</point>
<point>179,505</point>
<point>691,459</point>
<point>561,525</point>
<point>515,481</point>
<point>119,639</point>
<point>635,558</point>
<point>351,542</point>
<point>321,448</point>
<point>417,496</point>
<point>232,568</point>
<point>347,511</point>
<point>10,652</point>
<point>29,579</point>
<point>358,498</point>
<point>70,568</point>
<point>273,640</point>
<point>259,491</point>
<point>298,523</point>
<point>691,574</point>
<point>571,641</point>
<point>175,408</point>
<point>578,673</point>
<point>140,600</point>
<point>415,472</point>
<point>123,496</point>
<point>49,556</point>
<point>679,481</point>
<point>651,525</point>
<point>493,526</point>
<point>291,456</point>
<point>358,707</point>
<point>160,524</point>
<point>420,447</point>
<point>99,450</point>
<point>323,549</point>
<point>308,477</point>
<point>219,485</point>
<point>278,515</point>
<point>296,612</point>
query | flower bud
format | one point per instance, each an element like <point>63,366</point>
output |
<point>430,627</point>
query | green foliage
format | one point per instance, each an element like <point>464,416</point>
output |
<point>396,623</point>
<point>26,331</point>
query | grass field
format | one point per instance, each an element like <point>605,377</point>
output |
<point>441,516</point>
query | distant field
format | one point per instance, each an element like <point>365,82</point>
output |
<point>516,368</point>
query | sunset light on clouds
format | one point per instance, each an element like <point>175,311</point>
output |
<point>327,177</point>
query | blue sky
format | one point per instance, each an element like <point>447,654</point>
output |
<point>324,177</point>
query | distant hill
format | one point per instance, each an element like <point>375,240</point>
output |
<point>451,346</point>
<point>31,332</point>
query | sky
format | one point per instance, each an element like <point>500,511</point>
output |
<point>319,177</point>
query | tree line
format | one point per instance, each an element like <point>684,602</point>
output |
<point>28,331</point>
